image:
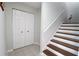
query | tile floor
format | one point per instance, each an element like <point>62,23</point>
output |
<point>30,50</point>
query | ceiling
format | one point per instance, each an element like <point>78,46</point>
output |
<point>33,4</point>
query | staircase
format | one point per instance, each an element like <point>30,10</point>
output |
<point>65,42</point>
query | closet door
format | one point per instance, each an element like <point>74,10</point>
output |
<point>29,29</point>
<point>18,29</point>
<point>23,28</point>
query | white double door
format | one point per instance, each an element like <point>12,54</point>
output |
<point>23,28</point>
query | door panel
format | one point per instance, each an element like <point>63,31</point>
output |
<point>29,29</point>
<point>19,28</point>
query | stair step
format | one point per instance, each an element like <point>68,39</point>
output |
<point>42,54</point>
<point>65,44</point>
<point>67,41</point>
<point>55,52</point>
<point>68,33</point>
<point>66,53</point>
<point>49,53</point>
<point>64,48</point>
<point>67,38</point>
<point>70,25</point>
<point>69,28</point>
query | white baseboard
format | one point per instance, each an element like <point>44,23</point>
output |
<point>10,50</point>
<point>36,43</point>
<point>33,43</point>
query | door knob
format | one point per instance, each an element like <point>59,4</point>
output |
<point>21,31</point>
<point>27,30</point>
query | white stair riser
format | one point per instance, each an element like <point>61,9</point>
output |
<point>69,36</point>
<point>70,28</point>
<point>73,32</point>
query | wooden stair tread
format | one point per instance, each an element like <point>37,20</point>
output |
<point>66,53</point>
<point>68,33</point>
<point>69,26</point>
<point>65,44</point>
<point>67,38</point>
<point>49,53</point>
<point>72,23</point>
<point>69,29</point>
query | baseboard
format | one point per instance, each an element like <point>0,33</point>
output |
<point>10,50</point>
<point>33,43</point>
<point>36,43</point>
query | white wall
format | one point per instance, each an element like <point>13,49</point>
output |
<point>53,14</point>
<point>37,27</point>
<point>2,33</point>
<point>73,8</point>
<point>8,17</point>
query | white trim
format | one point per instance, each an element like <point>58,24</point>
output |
<point>10,50</point>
